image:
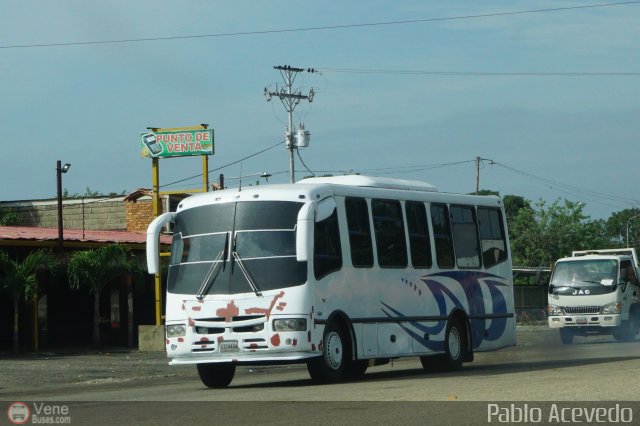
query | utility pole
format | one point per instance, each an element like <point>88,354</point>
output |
<point>290,100</point>
<point>478,161</point>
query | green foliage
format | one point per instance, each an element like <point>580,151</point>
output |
<point>9,217</point>
<point>19,279</point>
<point>97,268</point>
<point>542,234</point>
<point>89,193</point>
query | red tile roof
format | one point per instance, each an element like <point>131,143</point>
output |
<point>28,233</point>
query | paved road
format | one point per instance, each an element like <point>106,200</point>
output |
<point>538,369</point>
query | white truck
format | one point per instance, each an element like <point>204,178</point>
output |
<point>595,292</point>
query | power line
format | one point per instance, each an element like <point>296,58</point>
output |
<point>589,195</point>
<point>222,167</point>
<point>478,73</point>
<point>317,28</point>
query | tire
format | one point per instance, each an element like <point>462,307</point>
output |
<point>332,366</point>
<point>566,336</point>
<point>357,368</point>
<point>626,332</point>
<point>216,375</point>
<point>455,347</point>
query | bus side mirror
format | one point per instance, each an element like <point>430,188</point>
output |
<point>303,223</point>
<point>153,243</point>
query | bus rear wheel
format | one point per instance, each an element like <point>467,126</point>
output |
<point>216,375</point>
<point>332,365</point>
<point>455,346</point>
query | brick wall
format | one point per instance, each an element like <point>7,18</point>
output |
<point>139,215</point>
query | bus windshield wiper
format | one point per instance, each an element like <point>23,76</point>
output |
<point>246,274</point>
<point>213,271</point>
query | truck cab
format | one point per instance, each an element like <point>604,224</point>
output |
<point>595,292</point>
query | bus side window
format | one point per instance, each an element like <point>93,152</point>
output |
<point>465,236</point>
<point>492,238</point>
<point>359,232</point>
<point>327,254</point>
<point>388,226</point>
<point>419,242</point>
<point>442,235</point>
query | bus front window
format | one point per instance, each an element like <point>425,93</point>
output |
<point>263,238</point>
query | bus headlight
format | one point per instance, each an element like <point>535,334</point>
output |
<point>612,308</point>
<point>177,330</point>
<point>290,324</point>
<point>554,310</point>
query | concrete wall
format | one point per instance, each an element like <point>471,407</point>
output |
<point>104,214</point>
<point>88,213</point>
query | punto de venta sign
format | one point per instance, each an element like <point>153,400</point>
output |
<point>176,143</point>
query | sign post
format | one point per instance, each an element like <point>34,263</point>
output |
<point>160,143</point>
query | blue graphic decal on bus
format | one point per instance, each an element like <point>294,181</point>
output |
<point>471,282</point>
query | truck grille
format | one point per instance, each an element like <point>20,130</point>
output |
<point>582,309</point>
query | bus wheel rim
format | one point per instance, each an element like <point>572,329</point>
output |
<point>455,343</point>
<point>334,350</point>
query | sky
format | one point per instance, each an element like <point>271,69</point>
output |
<point>547,93</point>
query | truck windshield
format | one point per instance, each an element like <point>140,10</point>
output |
<point>260,253</point>
<point>580,272</point>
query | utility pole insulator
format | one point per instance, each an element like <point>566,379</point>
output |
<point>292,139</point>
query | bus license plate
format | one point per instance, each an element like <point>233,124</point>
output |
<point>581,320</point>
<point>229,346</point>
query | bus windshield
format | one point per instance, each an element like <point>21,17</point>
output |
<point>235,248</point>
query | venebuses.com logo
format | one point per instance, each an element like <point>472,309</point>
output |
<point>20,413</point>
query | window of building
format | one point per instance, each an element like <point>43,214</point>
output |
<point>465,236</point>
<point>359,232</point>
<point>442,236</point>
<point>419,242</point>
<point>389,231</point>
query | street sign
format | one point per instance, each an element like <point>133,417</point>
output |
<point>180,142</point>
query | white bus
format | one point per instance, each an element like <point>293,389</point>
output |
<point>340,273</point>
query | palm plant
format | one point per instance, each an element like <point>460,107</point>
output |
<point>19,279</point>
<point>95,269</point>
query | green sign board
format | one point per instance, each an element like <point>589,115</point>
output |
<point>176,143</point>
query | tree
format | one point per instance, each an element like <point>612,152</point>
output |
<point>513,204</point>
<point>20,280</point>
<point>540,235</point>
<point>95,269</point>
<point>622,225</point>
<point>8,217</point>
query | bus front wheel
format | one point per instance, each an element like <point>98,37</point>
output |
<point>216,375</point>
<point>331,366</point>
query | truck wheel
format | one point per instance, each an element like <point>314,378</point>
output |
<point>331,366</point>
<point>216,375</point>
<point>626,332</point>
<point>566,336</point>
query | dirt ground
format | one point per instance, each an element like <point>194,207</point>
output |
<point>24,373</point>
<point>48,371</point>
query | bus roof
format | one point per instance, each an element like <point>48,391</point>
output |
<point>316,188</point>
<point>372,182</point>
